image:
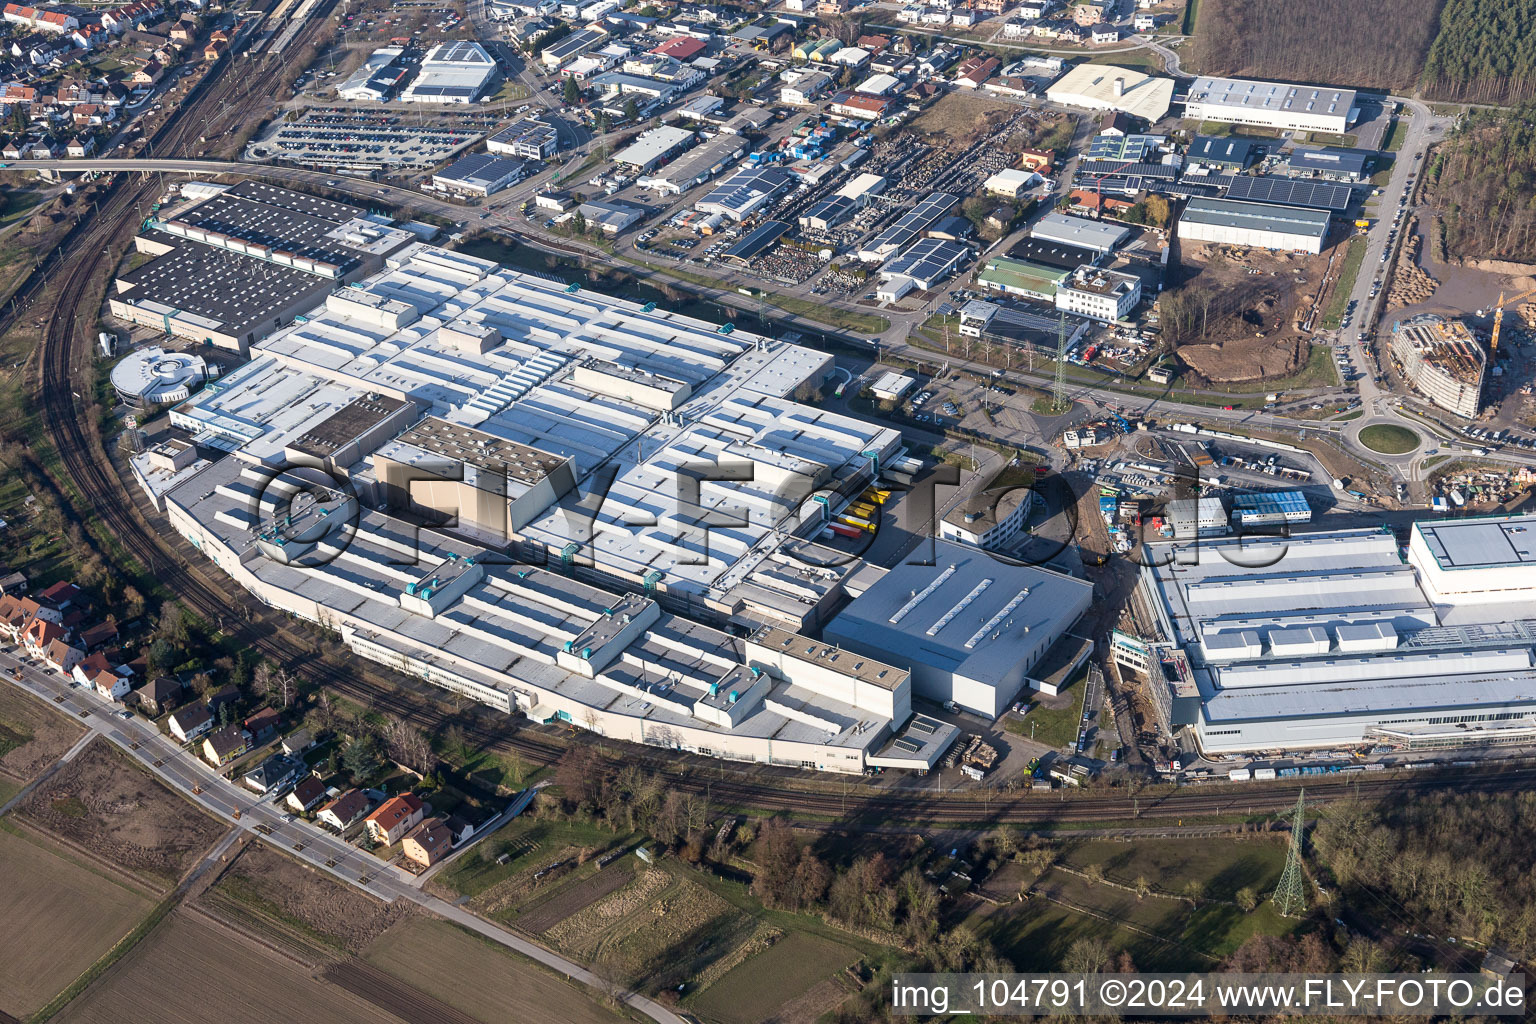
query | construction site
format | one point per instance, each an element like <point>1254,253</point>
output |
<point>1442,360</point>
<point>1253,309</point>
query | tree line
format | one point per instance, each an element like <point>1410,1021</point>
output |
<point>1483,53</point>
<point>1378,45</point>
<point>1483,185</point>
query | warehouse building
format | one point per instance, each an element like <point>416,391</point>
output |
<point>1307,108</point>
<point>696,166</point>
<point>480,174</point>
<point>1190,518</point>
<point>1106,87</point>
<point>908,227</point>
<point>455,72</point>
<point>654,146</point>
<point>1105,295</point>
<point>1094,235</point>
<point>922,267</point>
<point>1442,360</point>
<point>1023,278</point>
<point>972,629</point>
<point>1332,640</point>
<point>1227,222</point>
<point>745,192</point>
<point>1232,152</point>
<point>826,214</point>
<point>449,386</point>
<point>1270,508</point>
<point>563,51</point>
<point>1333,162</point>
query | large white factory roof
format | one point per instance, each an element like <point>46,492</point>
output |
<point>526,360</point>
<point>1480,543</point>
<point>1106,87</point>
<point>1251,95</point>
<point>1315,631</point>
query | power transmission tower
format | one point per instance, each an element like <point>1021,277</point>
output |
<point>1290,897</point>
<point>1059,403</point>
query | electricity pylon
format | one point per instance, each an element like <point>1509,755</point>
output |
<point>1059,403</point>
<point>1290,897</point>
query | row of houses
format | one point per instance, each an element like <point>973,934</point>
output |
<point>57,626</point>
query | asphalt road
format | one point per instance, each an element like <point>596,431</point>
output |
<point>180,769</point>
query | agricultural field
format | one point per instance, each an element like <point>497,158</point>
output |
<point>296,907</point>
<point>191,970</point>
<point>105,804</point>
<point>797,979</point>
<point>59,919</point>
<point>32,737</point>
<point>442,960</point>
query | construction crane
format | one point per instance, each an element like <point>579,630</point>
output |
<point>1498,317</point>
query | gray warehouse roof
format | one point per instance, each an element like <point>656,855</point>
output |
<point>1091,234</point>
<point>1257,216</point>
<point>1331,158</point>
<point>968,612</point>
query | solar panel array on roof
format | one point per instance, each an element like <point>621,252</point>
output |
<point>1091,168</point>
<point>1317,195</point>
<point>928,260</point>
<point>911,224</point>
<point>757,241</point>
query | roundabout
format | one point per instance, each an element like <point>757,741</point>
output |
<point>1389,439</point>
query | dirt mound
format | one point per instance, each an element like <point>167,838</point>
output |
<point>1244,359</point>
<point>1523,271</point>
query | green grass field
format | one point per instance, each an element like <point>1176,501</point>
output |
<point>527,842</point>
<point>1389,439</point>
<point>1053,726</point>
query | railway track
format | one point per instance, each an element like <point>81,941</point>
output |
<point>65,365</point>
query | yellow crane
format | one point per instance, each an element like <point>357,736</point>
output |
<point>1498,316</point>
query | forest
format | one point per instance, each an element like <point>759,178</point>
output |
<point>1377,45</point>
<point>1483,53</point>
<point>1482,185</point>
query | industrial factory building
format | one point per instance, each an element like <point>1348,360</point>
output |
<point>1225,222</point>
<point>975,630</point>
<point>1332,640</point>
<point>1308,108</point>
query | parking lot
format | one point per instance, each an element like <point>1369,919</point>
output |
<point>368,140</point>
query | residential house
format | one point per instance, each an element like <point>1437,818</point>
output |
<point>41,632</point>
<point>1036,160</point>
<point>394,818</point>
<point>160,694</point>
<point>1101,33</point>
<point>262,725</point>
<point>183,32</point>
<point>223,695</point>
<point>875,44</point>
<point>973,71</point>
<point>94,638</point>
<point>190,722</point>
<point>1088,14</point>
<point>17,611</point>
<point>146,76</point>
<point>427,843</point>
<point>97,672</point>
<point>12,584</point>
<point>224,746</point>
<point>274,774</point>
<point>214,50</point>
<point>81,147</point>
<point>342,812</point>
<point>297,742</point>
<point>307,794</point>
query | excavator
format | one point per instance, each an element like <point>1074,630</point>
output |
<point>1498,317</point>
